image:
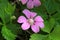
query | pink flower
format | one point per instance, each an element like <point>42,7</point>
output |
<point>31,3</point>
<point>33,21</point>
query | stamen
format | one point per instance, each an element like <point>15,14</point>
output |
<point>31,21</point>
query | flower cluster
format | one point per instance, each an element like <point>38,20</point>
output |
<point>33,21</point>
<point>31,3</point>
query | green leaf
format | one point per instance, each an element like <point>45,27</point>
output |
<point>5,17</point>
<point>57,3</point>
<point>52,21</point>
<point>37,37</point>
<point>9,9</point>
<point>55,35</point>
<point>50,6</point>
<point>47,38</point>
<point>7,34</point>
<point>6,11</point>
<point>49,25</point>
<point>3,4</point>
<point>14,28</point>
<point>57,17</point>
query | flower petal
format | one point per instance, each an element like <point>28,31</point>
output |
<point>37,3</point>
<point>35,28</point>
<point>27,13</point>
<point>30,4</point>
<point>40,24</point>
<point>39,18</point>
<point>25,26</point>
<point>33,14</point>
<point>21,19</point>
<point>24,1</point>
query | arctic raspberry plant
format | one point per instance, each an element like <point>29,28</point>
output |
<point>35,23</point>
<point>29,20</point>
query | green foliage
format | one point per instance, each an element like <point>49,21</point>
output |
<point>9,9</point>
<point>6,10</point>
<point>50,6</point>
<point>49,11</point>
<point>55,35</point>
<point>49,25</point>
<point>57,17</point>
<point>14,28</point>
<point>38,37</point>
<point>8,35</point>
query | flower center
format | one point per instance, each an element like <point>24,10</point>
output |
<point>31,21</point>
